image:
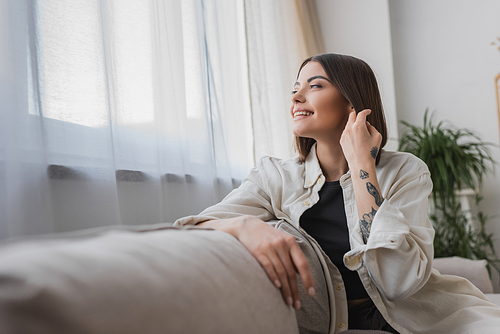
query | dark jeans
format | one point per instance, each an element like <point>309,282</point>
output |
<point>367,316</point>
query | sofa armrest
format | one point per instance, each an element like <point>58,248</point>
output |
<point>172,280</point>
<point>473,270</point>
<point>494,298</point>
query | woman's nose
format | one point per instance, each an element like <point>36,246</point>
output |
<point>297,98</point>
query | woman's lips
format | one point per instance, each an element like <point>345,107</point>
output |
<point>301,114</point>
<point>297,118</point>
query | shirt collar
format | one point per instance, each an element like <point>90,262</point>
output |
<point>313,169</point>
<point>314,172</point>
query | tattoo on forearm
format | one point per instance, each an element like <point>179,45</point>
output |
<point>374,192</point>
<point>363,175</point>
<point>374,152</point>
<point>365,224</point>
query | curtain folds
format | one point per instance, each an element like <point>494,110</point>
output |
<point>116,112</point>
<point>120,112</point>
<point>280,34</point>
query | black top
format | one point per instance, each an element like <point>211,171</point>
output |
<point>326,222</point>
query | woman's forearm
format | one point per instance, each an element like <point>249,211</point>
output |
<point>367,194</point>
<point>230,225</point>
<point>360,143</point>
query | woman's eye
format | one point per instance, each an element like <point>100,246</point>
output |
<point>294,92</point>
<point>317,86</point>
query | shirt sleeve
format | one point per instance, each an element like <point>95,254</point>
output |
<point>248,199</point>
<point>399,251</point>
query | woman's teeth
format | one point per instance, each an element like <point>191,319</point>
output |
<point>302,113</point>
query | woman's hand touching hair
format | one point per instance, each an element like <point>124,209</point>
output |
<point>276,251</point>
<point>360,140</point>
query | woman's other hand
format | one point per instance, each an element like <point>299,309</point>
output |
<point>360,141</point>
<point>277,252</point>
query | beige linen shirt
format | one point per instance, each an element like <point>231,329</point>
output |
<point>395,265</point>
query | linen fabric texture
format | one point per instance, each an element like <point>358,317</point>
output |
<point>165,280</point>
<point>395,265</point>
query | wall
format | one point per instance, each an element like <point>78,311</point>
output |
<point>444,60</point>
<point>364,34</point>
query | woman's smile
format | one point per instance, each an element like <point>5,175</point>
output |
<point>301,113</point>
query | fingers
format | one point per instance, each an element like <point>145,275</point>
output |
<point>374,133</point>
<point>291,276</point>
<point>281,257</point>
<point>371,129</point>
<point>300,262</point>
<point>361,117</point>
<point>282,263</point>
<point>282,275</point>
<point>268,266</point>
<point>351,119</point>
<point>357,122</point>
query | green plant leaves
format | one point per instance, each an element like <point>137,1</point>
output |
<point>457,159</point>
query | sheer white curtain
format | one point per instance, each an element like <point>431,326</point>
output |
<point>119,112</point>
<point>280,35</point>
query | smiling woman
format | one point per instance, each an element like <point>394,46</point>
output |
<point>365,207</point>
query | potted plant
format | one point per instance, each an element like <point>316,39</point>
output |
<point>457,159</point>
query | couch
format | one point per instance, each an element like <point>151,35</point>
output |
<point>157,279</point>
<point>148,279</point>
<point>474,270</point>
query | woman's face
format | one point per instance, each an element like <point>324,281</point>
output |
<point>318,109</point>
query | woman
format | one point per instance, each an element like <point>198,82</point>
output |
<point>342,173</point>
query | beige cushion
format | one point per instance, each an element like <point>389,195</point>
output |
<point>166,281</point>
<point>473,270</point>
<point>494,298</point>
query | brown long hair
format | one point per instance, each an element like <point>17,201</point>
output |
<point>355,80</point>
